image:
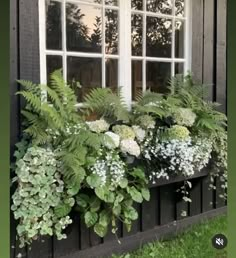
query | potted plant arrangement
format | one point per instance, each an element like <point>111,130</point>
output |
<point>100,168</point>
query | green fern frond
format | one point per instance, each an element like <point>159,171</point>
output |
<point>33,100</point>
<point>107,104</point>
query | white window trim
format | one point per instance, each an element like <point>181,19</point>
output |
<point>124,53</point>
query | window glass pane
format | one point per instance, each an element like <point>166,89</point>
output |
<point>159,36</point>
<point>158,75</point>
<point>111,25</point>
<point>137,4</point>
<point>160,6</point>
<point>53,63</point>
<point>179,68</point>
<point>137,78</point>
<point>179,39</point>
<point>53,25</point>
<point>91,1</point>
<point>84,28</point>
<point>86,71</point>
<point>179,7</point>
<point>111,2</point>
<point>112,73</point>
<point>137,34</point>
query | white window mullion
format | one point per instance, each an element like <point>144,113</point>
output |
<point>144,75</point>
<point>103,45</point>
<point>42,45</point>
<point>64,47</point>
<point>173,41</point>
<point>125,50</point>
<point>188,35</point>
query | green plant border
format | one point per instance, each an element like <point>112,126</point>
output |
<point>4,131</point>
<point>231,79</point>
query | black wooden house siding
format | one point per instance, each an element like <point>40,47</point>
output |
<point>162,215</point>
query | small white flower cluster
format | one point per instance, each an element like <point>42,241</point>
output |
<point>178,156</point>
<point>203,150</point>
<point>130,147</point>
<point>98,126</point>
<point>69,130</point>
<point>109,168</point>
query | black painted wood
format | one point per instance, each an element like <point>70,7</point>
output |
<point>29,40</point>
<point>69,245</point>
<point>195,196</point>
<point>84,236</point>
<point>133,242</point>
<point>209,48</point>
<point>150,210</point>
<point>197,39</point>
<point>167,204</point>
<point>43,247</point>
<point>207,194</point>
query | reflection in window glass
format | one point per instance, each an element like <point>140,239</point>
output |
<point>179,7</point>
<point>84,28</point>
<point>111,33</point>
<point>137,34</point>
<point>86,71</point>
<point>111,2</point>
<point>112,73</point>
<point>179,39</point>
<point>179,68</point>
<point>53,63</point>
<point>137,79</point>
<point>53,24</point>
<point>137,4</point>
<point>159,36</point>
<point>160,6</point>
<point>158,76</point>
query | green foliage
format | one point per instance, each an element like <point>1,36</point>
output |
<point>55,115</point>
<point>65,162</point>
<point>40,202</point>
<point>111,204</point>
<point>108,104</point>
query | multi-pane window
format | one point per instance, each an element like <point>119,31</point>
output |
<point>135,44</point>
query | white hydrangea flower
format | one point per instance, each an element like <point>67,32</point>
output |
<point>115,140</point>
<point>98,126</point>
<point>131,147</point>
<point>185,116</point>
<point>139,133</point>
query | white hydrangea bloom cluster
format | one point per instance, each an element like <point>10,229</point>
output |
<point>114,140</point>
<point>140,133</point>
<point>185,116</point>
<point>130,147</point>
<point>109,168</point>
<point>98,126</point>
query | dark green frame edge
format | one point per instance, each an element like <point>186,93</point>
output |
<point>231,80</point>
<point>4,130</point>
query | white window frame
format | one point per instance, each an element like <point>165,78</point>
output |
<point>124,55</point>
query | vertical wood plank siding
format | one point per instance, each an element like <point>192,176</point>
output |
<point>160,216</point>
